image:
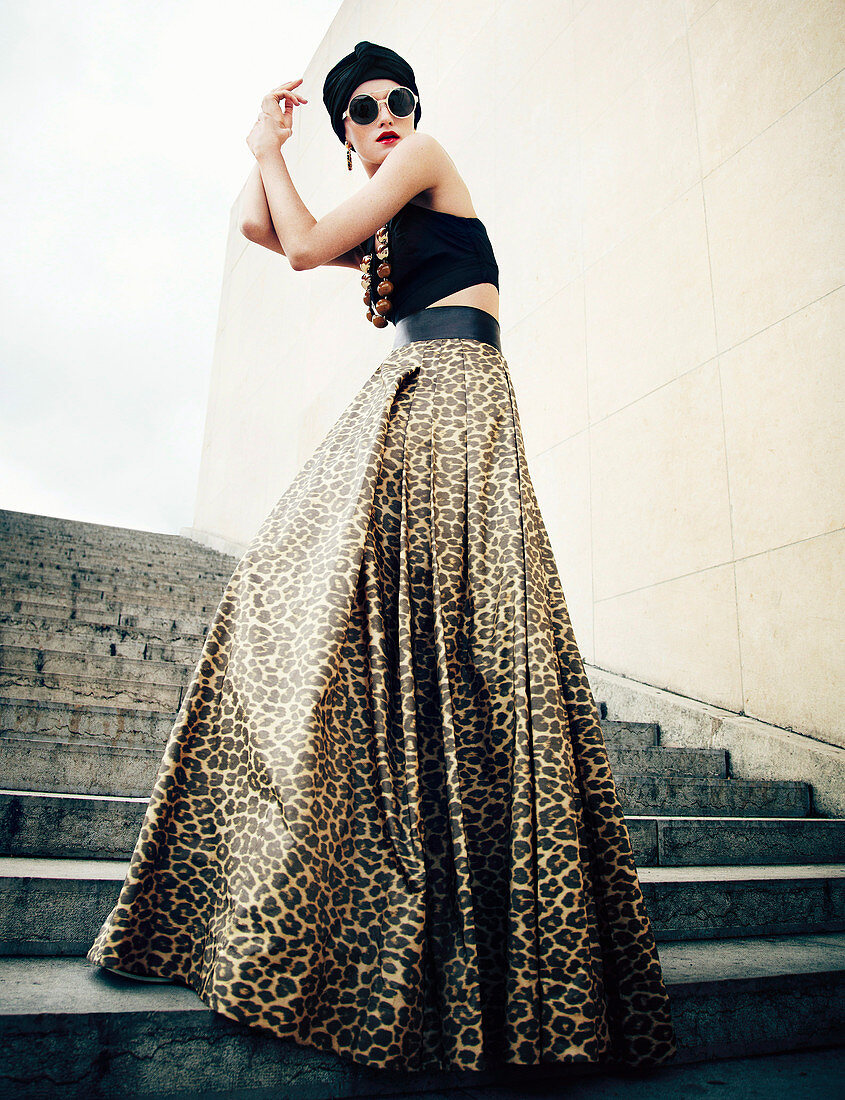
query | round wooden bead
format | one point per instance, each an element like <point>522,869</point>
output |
<point>381,249</point>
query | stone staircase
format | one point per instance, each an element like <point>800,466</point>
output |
<point>100,628</point>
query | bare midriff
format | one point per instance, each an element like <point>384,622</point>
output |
<point>483,296</point>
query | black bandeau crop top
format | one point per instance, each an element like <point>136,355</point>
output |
<point>433,254</point>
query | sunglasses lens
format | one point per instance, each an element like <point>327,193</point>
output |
<point>363,109</point>
<point>401,102</point>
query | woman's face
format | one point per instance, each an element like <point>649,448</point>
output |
<point>370,142</point>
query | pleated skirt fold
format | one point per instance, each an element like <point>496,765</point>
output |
<point>385,824</point>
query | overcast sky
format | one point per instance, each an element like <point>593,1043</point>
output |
<point>124,147</point>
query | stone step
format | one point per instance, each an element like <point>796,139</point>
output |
<point>662,761</point>
<point>120,587</point>
<point>82,689</point>
<point>122,584</point>
<point>23,526</point>
<point>56,906</point>
<point>57,662</point>
<point>47,553</point>
<point>88,767</point>
<point>48,611</point>
<point>126,727</point>
<point>682,795</point>
<point>65,1020</point>
<point>721,902</point>
<point>631,735</point>
<point>59,676</point>
<point>162,604</point>
<point>109,689</point>
<point>666,841</point>
<point>109,724</point>
<point>65,825</point>
<point>79,749</point>
<point>45,563</point>
<point>73,636</point>
<point>79,766</point>
<point>69,825</point>
<point>62,562</point>
<point>29,764</point>
<point>51,546</point>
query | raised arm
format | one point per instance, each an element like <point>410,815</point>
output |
<point>255,221</point>
<point>257,225</point>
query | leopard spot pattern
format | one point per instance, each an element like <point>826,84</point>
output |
<point>385,824</point>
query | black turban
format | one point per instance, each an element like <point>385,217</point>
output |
<point>366,62</point>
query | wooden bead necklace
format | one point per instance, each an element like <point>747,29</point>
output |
<point>384,287</point>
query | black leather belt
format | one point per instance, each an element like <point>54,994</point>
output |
<point>448,322</point>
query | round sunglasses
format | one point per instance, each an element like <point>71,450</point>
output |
<point>363,108</point>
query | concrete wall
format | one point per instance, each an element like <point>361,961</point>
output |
<point>662,183</point>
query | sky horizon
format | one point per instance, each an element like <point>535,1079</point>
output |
<point>126,148</point>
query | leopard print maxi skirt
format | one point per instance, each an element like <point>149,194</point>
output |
<point>385,824</point>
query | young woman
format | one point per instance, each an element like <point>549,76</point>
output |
<point>385,824</point>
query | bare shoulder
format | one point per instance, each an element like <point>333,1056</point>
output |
<point>425,141</point>
<point>435,147</point>
<point>436,151</point>
<point>421,146</point>
<point>448,192</point>
<point>445,180</point>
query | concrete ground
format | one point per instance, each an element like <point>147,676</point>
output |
<point>802,1075</point>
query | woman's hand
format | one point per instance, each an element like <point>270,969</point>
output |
<point>274,126</point>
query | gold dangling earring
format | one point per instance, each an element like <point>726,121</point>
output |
<point>349,156</point>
